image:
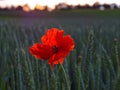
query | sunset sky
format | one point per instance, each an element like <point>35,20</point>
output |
<point>52,3</point>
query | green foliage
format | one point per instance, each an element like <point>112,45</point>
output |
<point>92,65</point>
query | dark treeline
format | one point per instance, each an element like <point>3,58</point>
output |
<point>64,6</point>
<point>96,5</point>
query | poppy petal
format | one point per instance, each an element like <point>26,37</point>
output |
<point>41,51</point>
<point>51,36</point>
<point>65,46</point>
<point>68,43</point>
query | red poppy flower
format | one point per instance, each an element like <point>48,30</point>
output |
<point>54,47</point>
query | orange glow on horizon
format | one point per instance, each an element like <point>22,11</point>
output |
<point>26,8</point>
<point>38,7</point>
<point>50,3</point>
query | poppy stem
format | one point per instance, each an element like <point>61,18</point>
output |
<point>65,76</point>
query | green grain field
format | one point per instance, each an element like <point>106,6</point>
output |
<point>94,64</point>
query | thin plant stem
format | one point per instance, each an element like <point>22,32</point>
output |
<point>117,55</point>
<point>65,76</point>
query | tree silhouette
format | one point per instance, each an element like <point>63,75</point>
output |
<point>106,6</point>
<point>96,5</point>
<point>19,8</point>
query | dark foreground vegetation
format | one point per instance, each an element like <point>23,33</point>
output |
<point>93,65</point>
